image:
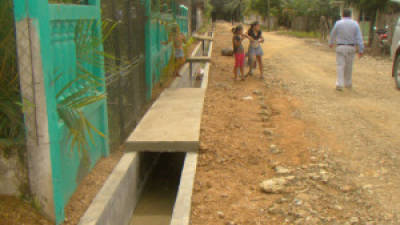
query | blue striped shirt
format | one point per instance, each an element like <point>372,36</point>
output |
<point>347,32</point>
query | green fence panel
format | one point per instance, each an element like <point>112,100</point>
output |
<point>60,27</point>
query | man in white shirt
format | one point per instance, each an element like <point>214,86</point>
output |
<point>347,35</point>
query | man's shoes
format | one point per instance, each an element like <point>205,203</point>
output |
<point>349,87</point>
<point>339,88</point>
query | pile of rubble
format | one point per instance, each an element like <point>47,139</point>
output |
<point>316,194</point>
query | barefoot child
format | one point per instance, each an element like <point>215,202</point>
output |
<point>238,51</point>
<point>255,51</point>
<point>178,39</point>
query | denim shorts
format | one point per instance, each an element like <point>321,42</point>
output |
<point>179,53</point>
<point>256,51</point>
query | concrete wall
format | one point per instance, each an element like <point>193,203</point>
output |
<point>13,176</point>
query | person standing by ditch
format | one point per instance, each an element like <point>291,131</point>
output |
<point>238,51</point>
<point>255,53</point>
<point>347,35</point>
<point>178,40</point>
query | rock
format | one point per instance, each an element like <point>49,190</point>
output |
<point>347,188</point>
<point>354,220</point>
<point>301,213</point>
<point>230,223</point>
<point>265,118</point>
<point>274,185</point>
<point>257,92</point>
<point>227,52</point>
<point>265,112</point>
<point>274,209</point>
<point>338,207</point>
<point>220,214</point>
<point>324,176</point>
<point>268,132</point>
<point>304,197</point>
<point>247,98</point>
<point>274,149</point>
<point>263,106</point>
<point>282,170</point>
<point>298,201</point>
<point>313,159</point>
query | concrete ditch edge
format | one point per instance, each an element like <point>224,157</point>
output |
<point>183,204</point>
<point>118,196</point>
<point>182,208</point>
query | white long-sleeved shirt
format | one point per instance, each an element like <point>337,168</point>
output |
<point>347,32</point>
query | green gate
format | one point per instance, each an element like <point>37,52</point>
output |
<point>69,43</point>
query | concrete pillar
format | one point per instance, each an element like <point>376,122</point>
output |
<point>36,122</point>
<point>199,17</point>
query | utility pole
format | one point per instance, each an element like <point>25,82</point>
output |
<point>268,14</point>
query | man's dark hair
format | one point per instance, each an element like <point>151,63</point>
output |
<point>346,13</point>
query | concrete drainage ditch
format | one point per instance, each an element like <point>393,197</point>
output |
<point>150,187</point>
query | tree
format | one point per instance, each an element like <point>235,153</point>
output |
<point>371,8</point>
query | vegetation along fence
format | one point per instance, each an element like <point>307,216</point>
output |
<point>68,56</point>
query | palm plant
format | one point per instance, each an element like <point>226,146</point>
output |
<point>85,89</point>
<point>11,120</point>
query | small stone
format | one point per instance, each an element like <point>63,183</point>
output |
<point>367,186</point>
<point>282,200</point>
<point>220,214</point>
<point>354,220</point>
<point>257,92</point>
<point>338,207</point>
<point>347,188</point>
<point>301,213</point>
<point>313,159</point>
<point>297,201</point>
<point>247,98</point>
<point>268,132</point>
<point>274,149</point>
<point>324,176</point>
<point>274,185</point>
<point>265,112</point>
<point>263,106</point>
<point>265,118</point>
<point>281,170</point>
<point>230,223</point>
<point>274,209</point>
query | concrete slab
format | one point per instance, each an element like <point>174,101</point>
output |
<point>172,124</point>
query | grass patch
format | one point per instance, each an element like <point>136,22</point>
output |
<point>300,34</point>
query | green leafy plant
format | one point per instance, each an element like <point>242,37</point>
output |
<point>84,90</point>
<point>11,120</point>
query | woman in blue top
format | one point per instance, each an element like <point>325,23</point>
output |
<point>255,51</point>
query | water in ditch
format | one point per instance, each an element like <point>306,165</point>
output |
<point>158,198</point>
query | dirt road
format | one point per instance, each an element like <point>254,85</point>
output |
<point>337,151</point>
